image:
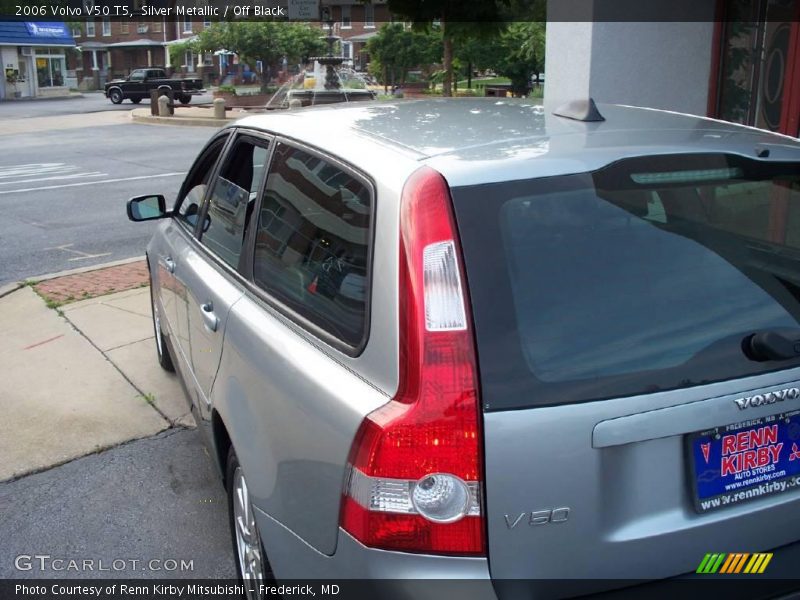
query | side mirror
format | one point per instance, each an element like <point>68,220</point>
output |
<point>147,208</point>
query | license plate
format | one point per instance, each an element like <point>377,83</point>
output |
<point>745,461</point>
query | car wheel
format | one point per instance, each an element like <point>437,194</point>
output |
<point>251,560</point>
<point>164,357</point>
<point>136,100</point>
<point>184,99</point>
<point>116,96</point>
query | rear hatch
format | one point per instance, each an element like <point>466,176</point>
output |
<point>637,332</point>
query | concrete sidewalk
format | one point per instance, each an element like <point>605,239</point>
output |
<point>188,115</point>
<point>81,376</point>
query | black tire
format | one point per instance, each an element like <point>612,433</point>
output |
<point>184,99</point>
<point>116,96</point>
<point>231,485</point>
<point>136,100</point>
<point>162,348</point>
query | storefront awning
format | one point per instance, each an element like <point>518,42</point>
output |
<point>93,46</point>
<point>143,43</point>
<point>29,33</point>
<point>364,37</point>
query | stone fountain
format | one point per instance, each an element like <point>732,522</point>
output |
<point>330,62</point>
<point>327,88</point>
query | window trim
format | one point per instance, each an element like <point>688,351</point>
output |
<point>245,257</point>
<point>284,311</point>
<point>227,133</point>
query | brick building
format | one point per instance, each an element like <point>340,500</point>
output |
<point>111,49</point>
<point>356,23</point>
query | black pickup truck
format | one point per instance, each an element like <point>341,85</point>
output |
<point>141,81</point>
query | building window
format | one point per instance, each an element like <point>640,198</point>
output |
<point>206,24</point>
<point>106,26</point>
<point>158,27</point>
<point>188,58</point>
<point>50,68</point>
<point>347,51</point>
<point>369,15</point>
<point>124,27</point>
<point>346,23</point>
<point>77,30</point>
<point>187,26</point>
<point>89,28</point>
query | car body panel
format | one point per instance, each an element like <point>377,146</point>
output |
<point>355,561</point>
<point>628,501</point>
<point>306,397</point>
<point>291,411</point>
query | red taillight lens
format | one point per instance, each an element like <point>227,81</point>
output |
<point>415,463</point>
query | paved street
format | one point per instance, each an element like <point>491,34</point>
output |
<point>90,103</point>
<point>151,501</point>
<point>63,191</point>
<point>101,462</point>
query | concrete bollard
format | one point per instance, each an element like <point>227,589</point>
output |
<point>219,108</point>
<point>163,106</point>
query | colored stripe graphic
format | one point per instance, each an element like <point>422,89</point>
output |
<point>733,563</point>
<point>703,563</point>
<point>728,564</point>
<point>711,563</point>
<point>736,563</point>
<point>767,558</point>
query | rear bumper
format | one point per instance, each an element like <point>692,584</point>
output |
<point>780,581</point>
<point>364,572</point>
<point>399,575</point>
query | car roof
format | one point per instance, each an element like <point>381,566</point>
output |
<point>475,140</point>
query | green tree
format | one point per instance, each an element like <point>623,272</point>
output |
<point>456,19</point>
<point>265,41</point>
<point>521,54</point>
<point>396,49</point>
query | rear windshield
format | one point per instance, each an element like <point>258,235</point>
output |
<point>647,275</point>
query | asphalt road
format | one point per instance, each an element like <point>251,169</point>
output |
<point>89,103</point>
<point>152,508</point>
<point>63,191</point>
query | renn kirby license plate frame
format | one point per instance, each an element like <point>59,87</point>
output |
<point>759,457</point>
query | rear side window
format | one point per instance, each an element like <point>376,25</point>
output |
<point>645,276</point>
<point>313,242</point>
<point>232,199</point>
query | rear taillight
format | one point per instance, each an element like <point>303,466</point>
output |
<point>415,471</point>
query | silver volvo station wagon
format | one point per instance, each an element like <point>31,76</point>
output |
<point>470,339</point>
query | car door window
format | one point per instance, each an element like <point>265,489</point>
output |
<point>194,188</point>
<point>233,196</point>
<point>313,240</point>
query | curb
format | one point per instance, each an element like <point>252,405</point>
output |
<point>7,289</point>
<point>71,96</point>
<point>187,121</point>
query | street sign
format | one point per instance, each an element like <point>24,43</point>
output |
<point>303,10</point>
